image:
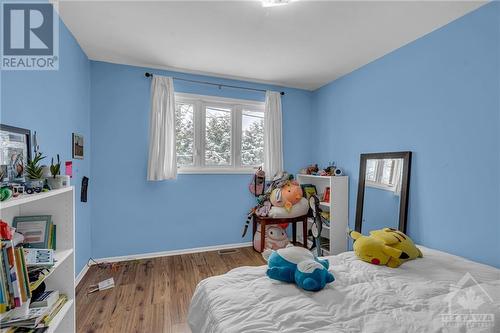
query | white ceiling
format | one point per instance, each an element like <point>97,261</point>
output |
<point>305,44</point>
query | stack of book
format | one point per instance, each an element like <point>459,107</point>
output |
<point>37,319</point>
<point>14,280</point>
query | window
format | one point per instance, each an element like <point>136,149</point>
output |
<point>218,135</point>
<point>384,174</point>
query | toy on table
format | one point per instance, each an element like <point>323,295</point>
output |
<point>385,247</point>
<point>286,196</point>
<point>297,265</point>
<point>276,238</point>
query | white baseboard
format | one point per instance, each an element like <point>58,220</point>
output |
<point>80,275</point>
<point>171,253</point>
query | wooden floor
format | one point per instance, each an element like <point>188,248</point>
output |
<point>151,295</point>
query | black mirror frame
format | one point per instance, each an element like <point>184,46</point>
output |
<point>405,186</point>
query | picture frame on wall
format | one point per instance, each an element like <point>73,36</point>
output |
<point>15,151</point>
<point>78,146</point>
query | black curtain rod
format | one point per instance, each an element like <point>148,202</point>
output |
<point>214,84</point>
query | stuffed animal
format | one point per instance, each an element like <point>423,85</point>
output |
<point>286,196</point>
<point>298,265</point>
<point>276,238</point>
<point>385,247</point>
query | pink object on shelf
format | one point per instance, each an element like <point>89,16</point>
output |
<point>69,168</point>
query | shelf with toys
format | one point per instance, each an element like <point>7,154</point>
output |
<point>333,192</point>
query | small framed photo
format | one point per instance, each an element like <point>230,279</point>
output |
<point>78,146</point>
<point>15,151</point>
<point>35,229</point>
<point>309,189</point>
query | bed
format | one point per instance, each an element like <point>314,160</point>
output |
<point>415,297</point>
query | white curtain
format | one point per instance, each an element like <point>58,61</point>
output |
<point>273,145</point>
<point>162,162</point>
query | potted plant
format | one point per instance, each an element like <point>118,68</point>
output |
<point>34,172</point>
<point>55,181</point>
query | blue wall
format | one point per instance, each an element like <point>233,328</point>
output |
<point>438,97</point>
<point>133,216</point>
<point>56,104</point>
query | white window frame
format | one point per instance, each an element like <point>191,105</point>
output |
<point>394,187</point>
<point>237,106</point>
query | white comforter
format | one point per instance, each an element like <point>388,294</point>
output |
<point>415,297</point>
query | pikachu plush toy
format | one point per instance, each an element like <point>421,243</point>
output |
<point>386,246</point>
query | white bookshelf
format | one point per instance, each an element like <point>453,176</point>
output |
<point>61,205</point>
<point>338,207</point>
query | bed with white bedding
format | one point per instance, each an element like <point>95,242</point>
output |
<point>415,297</point>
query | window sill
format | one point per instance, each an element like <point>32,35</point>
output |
<point>216,171</point>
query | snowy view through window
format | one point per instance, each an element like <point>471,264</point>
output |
<point>226,142</point>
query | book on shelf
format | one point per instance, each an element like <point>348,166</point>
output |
<point>35,318</point>
<point>15,288</point>
<point>39,257</point>
<point>23,330</point>
<point>45,299</point>
<point>37,275</point>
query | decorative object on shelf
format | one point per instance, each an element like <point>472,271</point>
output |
<point>39,257</point>
<point>326,194</point>
<point>5,232</point>
<point>17,190</point>
<point>55,181</point>
<point>78,146</point>
<point>298,265</point>
<point>5,193</point>
<point>15,151</point>
<point>36,229</point>
<point>34,171</point>
<point>69,168</point>
<point>338,172</point>
<point>386,246</point>
<point>308,190</point>
<point>310,170</point>
<point>65,180</point>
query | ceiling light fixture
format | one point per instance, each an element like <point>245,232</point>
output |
<point>274,3</point>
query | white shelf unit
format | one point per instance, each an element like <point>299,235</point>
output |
<point>60,204</point>
<point>338,207</point>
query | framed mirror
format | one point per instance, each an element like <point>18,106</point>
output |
<point>383,189</point>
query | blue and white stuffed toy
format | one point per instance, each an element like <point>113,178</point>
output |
<point>299,265</point>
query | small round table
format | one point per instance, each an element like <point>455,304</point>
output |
<point>264,221</point>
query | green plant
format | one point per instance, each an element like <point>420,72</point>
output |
<point>33,169</point>
<point>55,169</point>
